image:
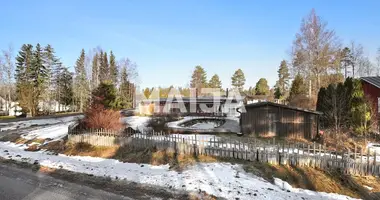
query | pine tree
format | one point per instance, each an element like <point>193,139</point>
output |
<point>262,87</point>
<point>54,68</point>
<point>40,76</point>
<point>126,98</point>
<point>238,79</point>
<point>103,67</point>
<point>81,85</point>
<point>100,68</point>
<point>65,86</point>
<point>298,87</point>
<point>215,82</point>
<point>95,71</point>
<point>198,79</point>
<point>24,84</point>
<point>283,80</point>
<point>106,95</point>
<point>113,71</point>
<point>277,92</point>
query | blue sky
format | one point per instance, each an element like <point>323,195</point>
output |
<point>168,38</point>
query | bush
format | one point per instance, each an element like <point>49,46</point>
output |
<point>106,94</point>
<point>97,117</point>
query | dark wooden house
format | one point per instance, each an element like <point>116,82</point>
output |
<point>371,88</point>
<point>269,119</point>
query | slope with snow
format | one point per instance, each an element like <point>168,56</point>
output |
<point>220,179</point>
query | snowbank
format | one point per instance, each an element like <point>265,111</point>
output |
<point>220,179</point>
<point>54,132</point>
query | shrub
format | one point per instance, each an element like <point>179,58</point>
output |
<point>106,94</point>
<point>97,117</point>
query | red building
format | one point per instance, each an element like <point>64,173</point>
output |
<point>371,88</point>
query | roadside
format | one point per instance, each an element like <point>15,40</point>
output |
<point>27,181</point>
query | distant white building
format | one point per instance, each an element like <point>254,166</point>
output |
<point>15,109</point>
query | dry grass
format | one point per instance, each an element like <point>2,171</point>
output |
<point>345,141</point>
<point>34,147</point>
<point>85,149</point>
<point>129,154</point>
<point>7,117</point>
<point>317,180</point>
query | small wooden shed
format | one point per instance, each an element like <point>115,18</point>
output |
<point>268,119</point>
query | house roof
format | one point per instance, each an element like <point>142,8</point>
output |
<point>259,104</point>
<point>373,80</point>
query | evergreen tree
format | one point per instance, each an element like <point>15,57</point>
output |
<point>262,87</point>
<point>40,75</point>
<point>65,86</point>
<point>215,82</point>
<point>105,94</point>
<point>238,79</point>
<point>101,66</point>
<point>104,67</point>
<point>126,93</point>
<point>54,68</point>
<point>277,92</point>
<point>24,84</point>
<point>297,88</point>
<point>198,79</point>
<point>113,71</point>
<point>283,80</point>
<point>81,85</point>
<point>95,71</point>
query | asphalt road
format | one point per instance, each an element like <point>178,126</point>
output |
<point>23,184</point>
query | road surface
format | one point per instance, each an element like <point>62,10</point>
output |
<point>23,184</point>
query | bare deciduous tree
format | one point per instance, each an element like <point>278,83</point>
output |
<point>356,56</point>
<point>131,67</point>
<point>8,70</point>
<point>365,67</point>
<point>316,51</point>
<point>378,62</point>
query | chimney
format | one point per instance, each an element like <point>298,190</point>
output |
<point>226,92</point>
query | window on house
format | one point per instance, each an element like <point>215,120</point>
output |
<point>378,104</point>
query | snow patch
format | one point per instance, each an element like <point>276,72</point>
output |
<point>36,122</point>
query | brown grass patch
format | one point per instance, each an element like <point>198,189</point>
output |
<point>55,146</point>
<point>10,137</point>
<point>34,147</point>
<point>317,180</point>
<point>85,149</point>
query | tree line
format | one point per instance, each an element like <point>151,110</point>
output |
<point>38,80</point>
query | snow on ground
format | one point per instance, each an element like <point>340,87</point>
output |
<point>220,179</point>
<point>54,132</point>
<point>137,122</point>
<point>206,125</point>
<point>231,124</point>
<point>35,122</point>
